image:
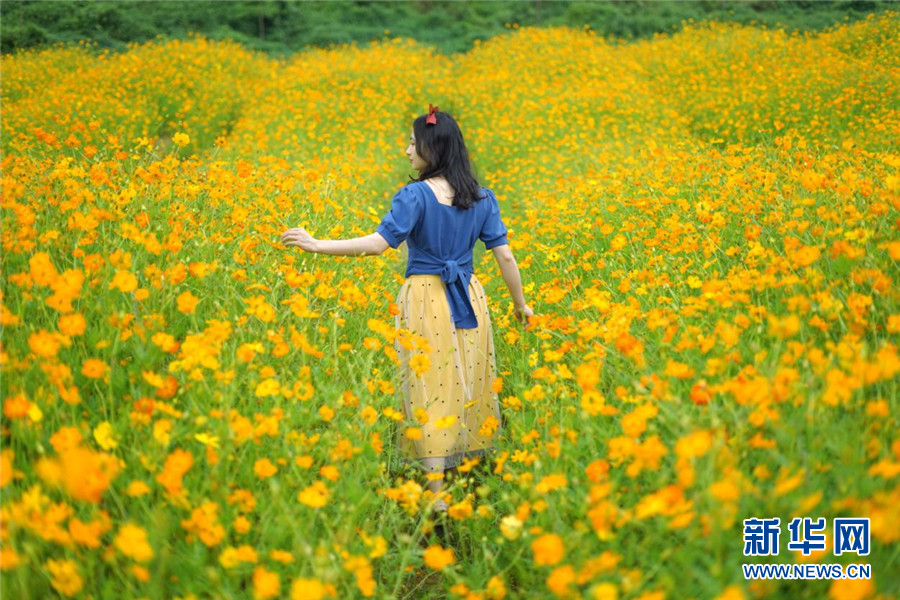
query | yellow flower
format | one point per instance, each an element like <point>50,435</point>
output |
<point>65,578</point>
<point>242,524</point>
<point>103,433</point>
<point>330,472</point>
<point>437,557</point>
<point>9,559</point>
<point>181,139</point>
<point>267,387</point>
<point>605,591</point>
<point>419,364</point>
<point>315,496</point>
<point>165,341</point>
<point>732,592</point>
<point>307,589</point>
<point>445,422</point>
<point>496,588</point>
<point>851,589</point>
<point>231,556</point>
<point>511,527</point>
<point>137,488</point>
<point>154,379</point>
<point>132,542</point>
<point>693,445</point>
<point>326,412</point>
<point>205,525</point>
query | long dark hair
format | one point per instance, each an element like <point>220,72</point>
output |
<point>441,145</point>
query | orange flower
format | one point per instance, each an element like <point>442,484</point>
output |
<point>204,524</point>
<point>124,281</point>
<point>16,407</point>
<point>177,464</point>
<point>559,581</point>
<point>264,468</point>
<point>548,549</point>
<point>93,368</point>
<point>266,584</point>
<point>187,303</point>
<point>44,343</point>
<point>72,325</point>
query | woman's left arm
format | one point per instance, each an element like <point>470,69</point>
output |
<point>360,246</point>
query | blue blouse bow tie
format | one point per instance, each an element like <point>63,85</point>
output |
<point>456,278</point>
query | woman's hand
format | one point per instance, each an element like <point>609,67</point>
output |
<point>299,237</point>
<point>523,312</point>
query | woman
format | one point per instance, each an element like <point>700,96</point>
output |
<point>441,214</point>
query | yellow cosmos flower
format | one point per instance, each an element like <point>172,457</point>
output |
<point>605,591</point>
<point>131,541</point>
<point>137,488</point>
<point>267,387</point>
<point>104,435</point>
<point>511,527</point>
<point>307,589</point>
<point>419,363</point>
<point>445,422</point>
<point>181,139</point>
<point>437,557</point>
<point>232,557</point>
<point>314,496</point>
<point>165,341</point>
<point>64,577</point>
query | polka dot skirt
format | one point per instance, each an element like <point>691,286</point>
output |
<point>455,391</point>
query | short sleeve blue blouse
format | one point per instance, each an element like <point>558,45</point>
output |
<point>441,239</point>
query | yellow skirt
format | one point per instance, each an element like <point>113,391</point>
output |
<point>456,390</point>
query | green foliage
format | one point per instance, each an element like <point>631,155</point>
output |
<point>282,27</point>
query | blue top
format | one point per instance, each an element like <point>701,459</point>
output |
<point>441,239</point>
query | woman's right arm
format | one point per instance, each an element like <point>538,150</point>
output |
<point>510,271</point>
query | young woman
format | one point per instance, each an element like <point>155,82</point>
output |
<point>440,215</point>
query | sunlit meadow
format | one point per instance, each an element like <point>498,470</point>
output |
<point>706,224</point>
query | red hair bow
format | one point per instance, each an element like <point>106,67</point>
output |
<point>431,119</point>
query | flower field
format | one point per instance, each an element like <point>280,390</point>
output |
<point>707,228</point>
